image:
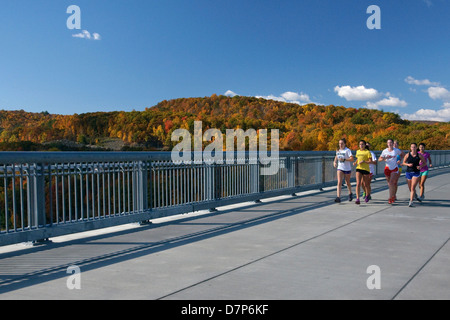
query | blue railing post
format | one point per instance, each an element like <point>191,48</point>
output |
<point>37,201</point>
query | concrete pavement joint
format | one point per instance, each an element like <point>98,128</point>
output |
<point>271,254</point>
<point>420,269</point>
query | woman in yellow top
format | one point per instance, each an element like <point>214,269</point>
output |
<point>363,159</point>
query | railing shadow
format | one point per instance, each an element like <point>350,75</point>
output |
<point>11,282</point>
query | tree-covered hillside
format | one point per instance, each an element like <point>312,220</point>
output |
<point>307,127</point>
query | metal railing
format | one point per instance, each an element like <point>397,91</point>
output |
<point>48,194</point>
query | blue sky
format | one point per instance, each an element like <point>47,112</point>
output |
<point>133,54</point>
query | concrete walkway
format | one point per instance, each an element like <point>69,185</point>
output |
<point>289,248</point>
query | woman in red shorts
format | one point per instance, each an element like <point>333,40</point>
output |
<point>391,170</point>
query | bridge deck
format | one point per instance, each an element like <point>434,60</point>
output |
<point>304,247</point>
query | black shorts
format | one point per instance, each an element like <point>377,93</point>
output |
<point>362,171</point>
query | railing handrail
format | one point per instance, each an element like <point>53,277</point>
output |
<point>8,157</point>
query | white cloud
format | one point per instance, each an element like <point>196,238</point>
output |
<point>291,97</point>
<point>387,102</point>
<point>362,93</point>
<point>230,93</point>
<point>424,82</point>
<point>439,93</point>
<point>294,96</point>
<point>431,115</point>
<point>87,35</point>
<point>436,92</point>
<point>356,93</point>
<point>288,96</point>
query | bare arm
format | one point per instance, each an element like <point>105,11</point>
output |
<point>405,158</point>
<point>422,161</point>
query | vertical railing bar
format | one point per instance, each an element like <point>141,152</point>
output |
<point>22,217</point>
<point>56,192</point>
<point>246,176</point>
<point>199,187</point>
<point>98,190</point>
<point>103,189</point>
<point>234,179</point>
<point>242,179</point>
<point>164,184</point>
<point>178,189</point>
<point>5,174</point>
<point>226,177</point>
<point>93,174</point>
<point>195,182</point>
<point>139,186</point>
<point>124,211</point>
<point>249,178</point>
<point>50,193</point>
<point>202,185</point>
<point>114,187</point>
<point>230,180</point>
<point>197,178</point>
<point>229,177</point>
<point>109,189</point>
<point>169,173</point>
<point>158,186</point>
<point>29,183</point>
<point>192,181</point>
<point>119,208</point>
<point>182,183</point>
<point>241,182</point>
<point>117,185</point>
<point>133,187</point>
<point>171,188</point>
<point>75,198</point>
<point>80,177</point>
<point>69,185</point>
<point>236,174</point>
<point>88,211</point>
<point>185,185</point>
<point>13,186</point>
<point>128,187</point>
<point>154,185</point>
<point>63,193</point>
<point>205,173</point>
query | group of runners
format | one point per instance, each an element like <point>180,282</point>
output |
<point>416,161</point>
